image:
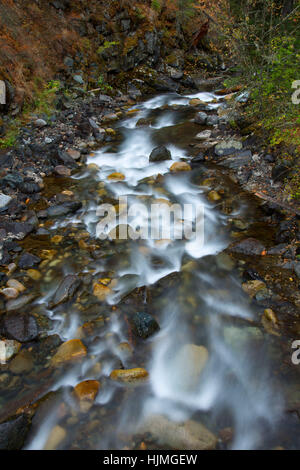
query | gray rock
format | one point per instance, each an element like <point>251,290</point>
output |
<point>212,120</point>
<point>228,148</point>
<point>14,432</point>
<point>238,160</point>
<point>66,289</point>
<point>203,135</point>
<point>78,79</point>
<point>4,201</point>
<point>20,327</point>
<point>28,260</point>
<point>63,209</point>
<point>249,246</point>
<point>144,324</point>
<point>160,154</point>
<point>40,123</point>
<point>201,118</point>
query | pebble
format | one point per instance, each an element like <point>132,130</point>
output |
<point>70,350</point>
<point>23,362</point>
<point>180,166</point>
<point>101,291</point>
<point>75,154</point>
<point>8,349</point>
<point>34,274</point>
<point>214,196</point>
<point>9,293</point>
<point>180,435</point>
<point>253,287</point>
<point>56,437</point>
<point>116,176</point>
<point>16,285</point>
<point>62,170</point>
<point>129,375</point>
<point>20,327</point>
<point>40,123</point>
<point>203,135</point>
<point>86,393</point>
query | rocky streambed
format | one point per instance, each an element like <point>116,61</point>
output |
<point>155,342</point>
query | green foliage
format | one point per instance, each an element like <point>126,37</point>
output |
<point>10,136</point>
<point>106,45</point>
<point>155,5</point>
<point>103,85</point>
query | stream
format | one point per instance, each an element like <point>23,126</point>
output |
<point>211,380</point>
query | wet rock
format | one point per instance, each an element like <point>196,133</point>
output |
<point>14,432</point>
<point>78,79</point>
<point>23,362</point>
<point>253,287</point>
<point>270,322</point>
<point>34,274</point>
<point>201,118</point>
<point>239,338</point>
<point>249,246</point>
<point>116,176</point>
<point>144,324</point>
<point>71,350</point>
<point>225,262</point>
<point>86,393</point>
<point>66,289</point>
<point>196,102</point>
<point>17,304</point>
<point>8,349</point>
<point>28,260</point>
<point>160,154</point>
<point>75,154</point>
<point>56,437</point>
<point>64,209</point>
<point>129,375</point>
<point>214,196</point>
<point>9,293</point>
<point>19,326</point>
<point>180,436</point>
<point>62,170</point>
<point>228,148</point>
<point>16,285</point>
<point>101,291</point>
<point>190,360</point>
<point>180,166</point>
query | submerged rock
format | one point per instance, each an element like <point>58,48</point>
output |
<point>160,154</point>
<point>181,436</point>
<point>129,375</point>
<point>86,393</point>
<point>249,246</point>
<point>66,289</point>
<point>28,260</point>
<point>70,350</point>
<point>144,324</point>
<point>55,438</point>
<point>180,166</point>
<point>191,360</point>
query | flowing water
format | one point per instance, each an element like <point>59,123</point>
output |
<point>191,287</point>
